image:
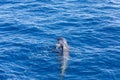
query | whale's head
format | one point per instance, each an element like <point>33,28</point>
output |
<point>62,43</point>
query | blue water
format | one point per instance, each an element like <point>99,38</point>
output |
<point>28,33</point>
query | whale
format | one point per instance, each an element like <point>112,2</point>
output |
<point>63,49</point>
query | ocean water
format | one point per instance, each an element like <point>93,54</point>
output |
<point>28,33</point>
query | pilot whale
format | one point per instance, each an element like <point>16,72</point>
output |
<point>63,48</point>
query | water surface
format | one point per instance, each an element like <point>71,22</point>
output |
<point>28,32</point>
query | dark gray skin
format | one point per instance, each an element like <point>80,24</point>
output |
<point>63,48</point>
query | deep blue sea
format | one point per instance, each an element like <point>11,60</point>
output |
<point>29,30</point>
